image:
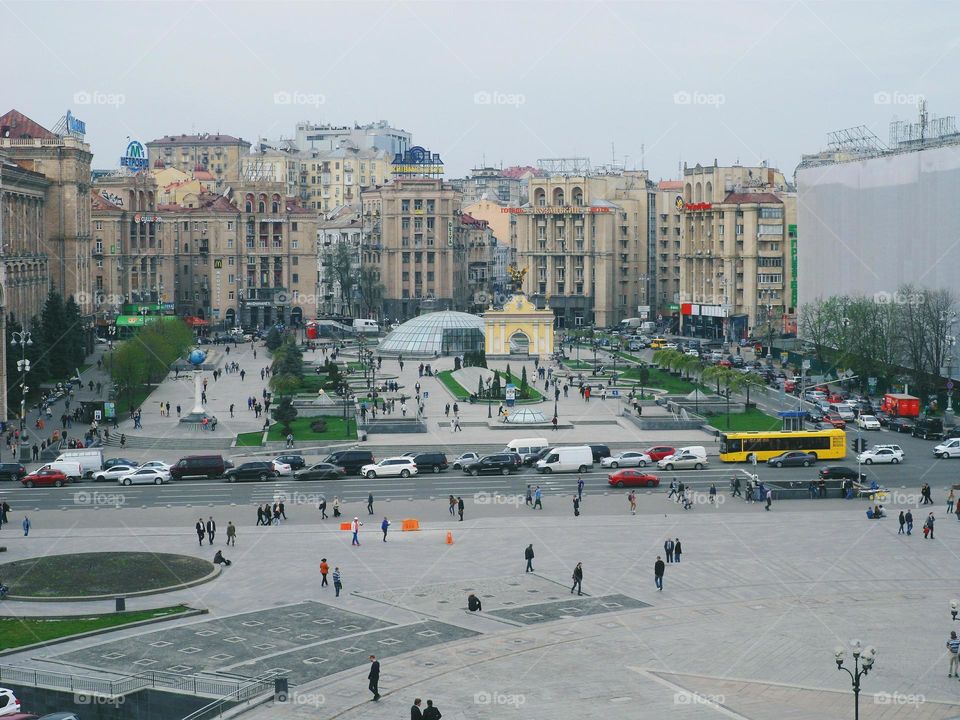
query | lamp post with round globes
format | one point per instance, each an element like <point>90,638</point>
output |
<point>22,339</point>
<point>863,659</point>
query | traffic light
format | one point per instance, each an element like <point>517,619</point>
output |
<point>859,445</point>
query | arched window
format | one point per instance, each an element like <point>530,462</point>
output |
<point>577,196</point>
<point>540,197</point>
<point>558,196</point>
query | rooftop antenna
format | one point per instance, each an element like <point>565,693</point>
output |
<point>643,156</point>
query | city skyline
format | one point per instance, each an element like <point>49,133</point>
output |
<point>664,83</point>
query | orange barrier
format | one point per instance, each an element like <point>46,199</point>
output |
<point>409,525</point>
<point>449,538</point>
<point>345,525</point>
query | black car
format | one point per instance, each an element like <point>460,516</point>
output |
<point>899,424</point>
<point>928,429</point>
<point>351,460</point>
<point>531,460</point>
<point>109,463</point>
<point>599,452</point>
<point>840,472</point>
<point>258,470</point>
<point>500,464</point>
<point>430,461</point>
<point>296,462</point>
<point>12,471</point>
<point>793,458</point>
<point>319,471</point>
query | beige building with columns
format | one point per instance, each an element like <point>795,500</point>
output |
<point>518,328</point>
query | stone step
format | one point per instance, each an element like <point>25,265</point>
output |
<point>210,441</point>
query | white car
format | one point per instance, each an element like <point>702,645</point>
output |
<point>895,448</point>
<point>867,422</point>
<point>670,346</point>
<point>682,460</point>
<point>115,472</point>
<point>692,353</point>
<point>630,458</point>
<point>145,476</point>
<point>465,459</point>
<point>390,467</point>
<point>157,465</point>
<point>880,455</point>
<point>282,468</point>
<point>8,702</point>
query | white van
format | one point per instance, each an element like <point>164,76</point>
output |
<point>567,459</point>
<point>948,449</point>
<point>527,446</point>
<point>90,459</point>
<point>364,326</point>
<point>72,470</point>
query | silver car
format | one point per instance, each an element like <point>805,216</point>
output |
<point>630,458</point>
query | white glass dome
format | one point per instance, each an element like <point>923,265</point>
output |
<point>446,332</point>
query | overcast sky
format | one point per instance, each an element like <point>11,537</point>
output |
<point>505,82</point>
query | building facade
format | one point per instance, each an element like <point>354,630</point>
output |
<point>220,155</point>
<point>669,241</point>
<point>494,185</point>
<point>735,275</point>
<point>586,243</point>
<point>337,229</point>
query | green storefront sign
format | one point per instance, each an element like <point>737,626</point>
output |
<point>792,231</point>
<point>136,320</point>
<point>673,307</point>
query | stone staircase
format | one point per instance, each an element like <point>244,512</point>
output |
<point>208,441</point>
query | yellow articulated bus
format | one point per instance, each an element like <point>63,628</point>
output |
<point>745,446</point>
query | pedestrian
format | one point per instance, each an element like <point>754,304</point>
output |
<point>537,498</point>
<point>178,411</point>
<point>928,526</point>
<point>355,529</point>
<point>323,508</point>
<point>554,422</point>
<point>260,515</point>
<point>453,505</point>
<point>713,493</point>
<point>950,501</point>
<point>580,487</point>
<point>460,507</point>
<point>909,519</point>
<point>446,410</point>
<point>324,569</point>
<point>383,526</point>
<point>26,524</point>
<point>123,440</point>
<point>337,580</point>
<point>431,713</point>
<point>577,579</point>
<point>374,677</point>
<point>370,503</point>
<point>231,533</point>
<point>529,500</point>
<point>658,568</point>
<point>903,521</point>
<point>456,424</point>
<point>231,410</point>
<point>677,550</point>
<point>211,530</point>
<point>200,530</point>
<point>415,713</point>
<point>668,549</point>
<point>769,498</point>
<point>576,506</point>
<point>473,603</point>
<point>953,645</point>
<point>528,556</point>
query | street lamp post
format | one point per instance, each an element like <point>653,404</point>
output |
<point>863,660</point>
<point>22,339</point>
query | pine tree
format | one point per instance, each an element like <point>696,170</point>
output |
<point>509,376</point>
<point>55,360</point>
<point>496,384</point>
<point>74,334</point>
<point>285,413</point>
<point>274,339</point>
<point>480,387</point>
<point>523,382</point>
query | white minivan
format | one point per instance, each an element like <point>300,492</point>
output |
<point>524,447</point>
<point>90,459</point>
<point>364,326</point>
<point>948,449</point>
<point>578,458</point>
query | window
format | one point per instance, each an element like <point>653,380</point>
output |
<point>231,278</point>
<point>430,276</point>
<point>430,223</point>
<point>405,206</point>
<point>430,258</point>
<point>770,230</point>
<point>431,205</point>
<point>293,226</point>
<point>770,278</point>
<point>770,262</point>
<point>739,229</point>
<point>418,205</point>
<point>295,278</point>
<point>295,260</point>
<point>405,258</point>
<point>99,225</point>
<point>230,260</point>
<point>774,212</point>
<point>405,276</point>
<point>229,225</point>
<point>230,295</point>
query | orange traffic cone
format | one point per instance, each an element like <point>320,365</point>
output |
<point>449,537</point>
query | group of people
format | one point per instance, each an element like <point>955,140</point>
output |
<point>267,515</point>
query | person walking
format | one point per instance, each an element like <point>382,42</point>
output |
<point>677,550</point>
<point>580,487</point>
<point>384,526</point>
<point>336,506</point>
<point>909,518</point>
<point>735,487</point>
<point>953,646</point>
<point>928,526</point>
<point>370,503</point>
<point>460,507</point>
<point>323,508</point>
<point>200,530</point>
<point>555,422</point>
<point>769,498</point>
<point>415,713</point>
<point>577,579</point>
<point>537,498</point>
<point>528,556</point>
<point>632,497</point>
<point>950,501</point>
<point>431,713</point>
<point>576,506</point>
<point>529,501</point>
<point>668,549</point>
<point>211,530</point>
<point>355,529</point>
<point>374,677</point>
<point>337,580</point>
<point>231,533</point>
<point>903,521</point>
<point>658,568</point>
<point>453,505</point>
<point>324,569</point>
<point>26,525</point>
<point>456,424</point>
<point>713,493</point>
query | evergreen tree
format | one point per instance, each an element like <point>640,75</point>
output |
<point>496,384</point>
<point>54,363</point>
<point>274,339</point>
<point>74,334</point>
<point>508,378</point>
<point>523,382</point>
<point>292,362</point>
<point>285,413</point>
<point>480,387</point>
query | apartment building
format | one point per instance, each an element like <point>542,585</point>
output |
<point>218,154</point>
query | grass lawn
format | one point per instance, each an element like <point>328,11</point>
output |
<point>459,392</point>
<point>250,439</point>
<point>355,367</point>
<point>752,419</point>
<point>19,631</point>
<point>661,379</point>
<point>578,364</point>
<point>312,383</point>
<point>300,427</point>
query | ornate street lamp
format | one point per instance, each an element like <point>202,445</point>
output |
<point>863,660</point>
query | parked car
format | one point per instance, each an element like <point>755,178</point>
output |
<point>157,465</point>
<point>319,471</point>
<point>8,702</point>
<point>840,472</point>
<point>880,455</point>
<point>900,424</point>
<point>430,462</point>
<point>659,452</point>
<point>834,419</point>
<point>501,464</point>
<point>211,466</point>
<point>352,461</point>
<point>281,467</point>
<point>144,476</point>
<point>465,459</point>
<point>12,471</point>
<point>261,470</point>
<point>60,716</point>
<point>45,478</point>
<point>793,458</point>
<point>868,422</point>
<point>390,467</point>
<point>632,478</point>
<point>296,462</point>
<point>630,458</point>
<point>928,429</point>
<point>114,472</point>
<point>689,457</point>
<point>110,462</point>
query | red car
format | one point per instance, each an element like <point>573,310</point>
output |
<point>835,420</point>
<point>631,477</point>
<point>45,478</point>
<point>659,452</point>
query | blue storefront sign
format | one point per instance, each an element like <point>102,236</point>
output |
<point>135,157</point>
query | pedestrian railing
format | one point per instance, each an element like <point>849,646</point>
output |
<point>254,688</point>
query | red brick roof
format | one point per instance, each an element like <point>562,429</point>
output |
<point>751,198</point>
<point>671,185</point>
<point>15,124</point>
<point>468,219</point>
<point>517,170</point>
